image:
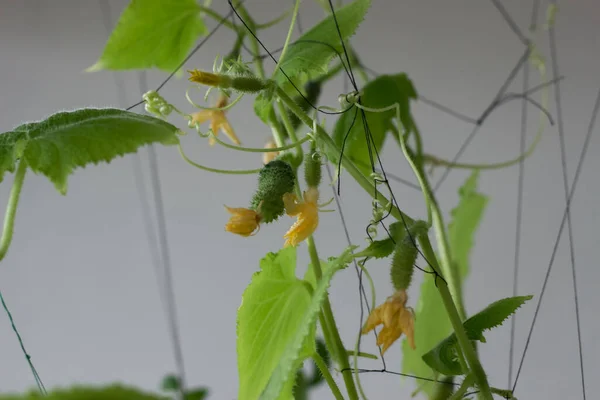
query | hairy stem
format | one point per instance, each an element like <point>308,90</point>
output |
<point>467,349</point>
<point>465,385</point>
<point>289,35</point>
<point>11,208</point>
<point>436,161</point>
<point>448,269</point>
<point>339,350</point>
<point>289,128</point>
<point>327,375</point>
<point>254,46</point>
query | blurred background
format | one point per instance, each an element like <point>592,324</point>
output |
<point>79,277</point>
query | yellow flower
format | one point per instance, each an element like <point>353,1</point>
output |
<point>243,221</point>
<point>217,121</point>
<point>271,155</point>
<point>209,79</point>
<point>307,213</point>
<point>396,319</point>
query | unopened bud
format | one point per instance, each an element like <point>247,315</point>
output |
<point>210,79</point>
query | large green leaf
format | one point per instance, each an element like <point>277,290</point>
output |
<point>466,218</point>
<point>271,314</point>
<point>289,360</point>
<point>152,33</point>
<point>431,321</point>
<point>112,392</point>
<point>67,140</point>
<point>11,149</point>
<point>444,357</point>
<point>310,55</point>
<point>384,91</point>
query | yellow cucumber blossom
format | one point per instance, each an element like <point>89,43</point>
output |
<point>306,211</point>
<point>218,121</point>
<point>243,221</point>
<point>209,79</point>
<point>396,319</point>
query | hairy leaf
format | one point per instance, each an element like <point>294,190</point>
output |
<point>444,357</point>
<point>311,53</point>
<point>289,360</point>
<point>466,218</point>
<point>11,149</point>
<point>152,33</point>
<point>384,91</point>
<point>384,247</point>
<point>67,140</point>
<point>112,392</point>
<point>431,321</point>
<point>271,315</point>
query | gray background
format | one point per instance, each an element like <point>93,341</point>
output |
<point>79,278</point>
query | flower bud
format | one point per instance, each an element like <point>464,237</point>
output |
<point>210,79</point>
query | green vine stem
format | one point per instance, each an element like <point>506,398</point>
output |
<point>290,129</point>
<point>449,271</point>
<point>289,36</point>
<point>339,349</point>
<point>327,375</point>
<point>11,208</point>
<point>260,150</point>
<point>217,17</point>
<point>464,386</point>
<point>254,46</point>
<point>468,351</point>
<point>435,161</point>
<point>215,170</point>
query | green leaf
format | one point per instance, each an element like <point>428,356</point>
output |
<point>444,357</point>
<point>152,33</point>
<point>384,91</point>
<point>431,321</point>
<point>271,314</point>
<point>466,218</point>
<point>11,149</point>
<point>384,247</point>
<point>289,360</point>
<point>111,392</point>
<point>171,383</point>
<point>263,104</point>
<point>311,53</point>
<point>67,140</point>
